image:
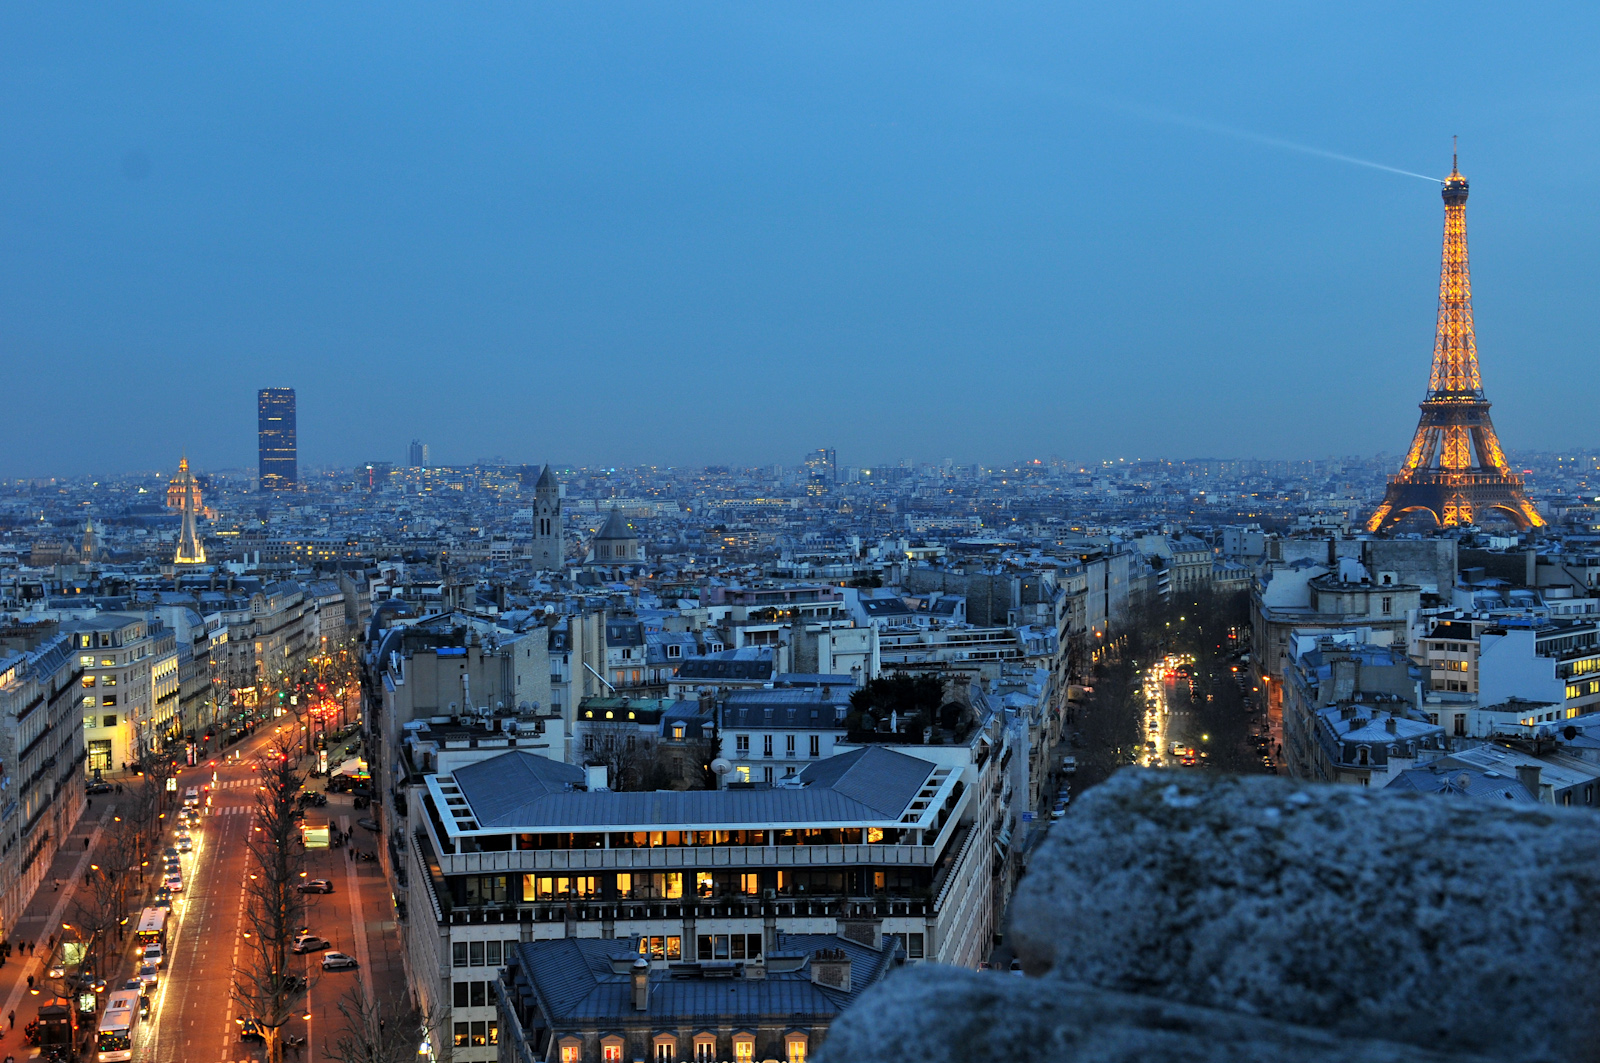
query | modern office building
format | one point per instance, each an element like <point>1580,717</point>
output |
<point>519,848</point>
<point>418,458</point>
<point>275,437</point>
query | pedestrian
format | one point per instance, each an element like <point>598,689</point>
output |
<point>86,843</point>
<point>11,1020</point>
<point>30,981</point>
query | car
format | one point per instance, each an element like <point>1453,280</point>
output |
<point>170,853</point>
<point>98,788</point>
<point>1058,812</point>
<point>309,943</point>
<point>153,953</point>
<point>185,845</point>
<point>369,824</point>
<point>338,961</point>
<point>147,976</point>
<point>316,885</point>
<point>1016,969</point>
<point>173,883</point>
<point>249,1031</point>
<point>133,983</point>
<point>172,863</point>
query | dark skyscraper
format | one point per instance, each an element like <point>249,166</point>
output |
<point>275,439</point>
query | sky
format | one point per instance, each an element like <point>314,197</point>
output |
<point>688,233</point>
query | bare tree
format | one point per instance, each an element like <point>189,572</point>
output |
<point>264,987</point>
<point>627,751</point>
<point>379,1031</point>
<point>99,907</point>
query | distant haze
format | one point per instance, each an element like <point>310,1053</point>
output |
<point>686,233</point>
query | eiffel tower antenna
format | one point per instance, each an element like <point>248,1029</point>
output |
<point>1455,470</point>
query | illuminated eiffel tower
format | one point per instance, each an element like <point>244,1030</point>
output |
<point>1455,470</point>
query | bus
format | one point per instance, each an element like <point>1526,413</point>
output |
<point>116,1026</point>
<point>152,928</point>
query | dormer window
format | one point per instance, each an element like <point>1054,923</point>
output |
<point>674,652</point>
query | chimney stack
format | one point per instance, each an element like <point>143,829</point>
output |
<point>864,931</point>
<point>596,777</point>
<point>641,984</point>
<point>831,968</point>
<point>1528,776</point>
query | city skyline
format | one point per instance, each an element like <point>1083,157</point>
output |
<point>842,226</point>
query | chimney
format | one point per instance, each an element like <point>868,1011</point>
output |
<point>830,968</point>
<point>1528,776</point>
<point>865,932</point>
<point>641,984</point>
<point>596,777</point>
<point>1390,725</point>
<point>769,930</point>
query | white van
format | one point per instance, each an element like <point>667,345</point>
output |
<point>191,796</point>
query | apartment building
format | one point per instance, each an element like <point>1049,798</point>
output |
<point>41,766</point>
<point>130,687</point>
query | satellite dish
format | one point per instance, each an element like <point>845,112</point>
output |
<point>721,766</point>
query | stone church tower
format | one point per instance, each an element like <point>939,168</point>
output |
<point>549,548</point>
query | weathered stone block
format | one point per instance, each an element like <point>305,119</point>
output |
<point>938,1014</point>
<point>1190,918</point>
<point>1451,925</point>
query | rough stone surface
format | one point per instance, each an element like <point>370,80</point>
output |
<point>1453,925</point>
<point>934,1014</point>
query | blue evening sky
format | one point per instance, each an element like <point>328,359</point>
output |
<point>682,233</point>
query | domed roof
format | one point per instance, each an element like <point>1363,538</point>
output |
<point>615,528</point>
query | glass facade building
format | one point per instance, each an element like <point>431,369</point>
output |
<point>276,439</point>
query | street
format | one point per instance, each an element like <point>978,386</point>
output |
<point>193,1016</point>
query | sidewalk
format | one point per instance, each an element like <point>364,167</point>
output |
<point>41,924</point>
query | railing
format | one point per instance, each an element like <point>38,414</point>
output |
<point>687,857</point>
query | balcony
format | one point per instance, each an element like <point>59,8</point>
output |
<point>687,857</point>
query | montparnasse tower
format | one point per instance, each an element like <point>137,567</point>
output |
<point>1455,470</point>
<point>187,492</point>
